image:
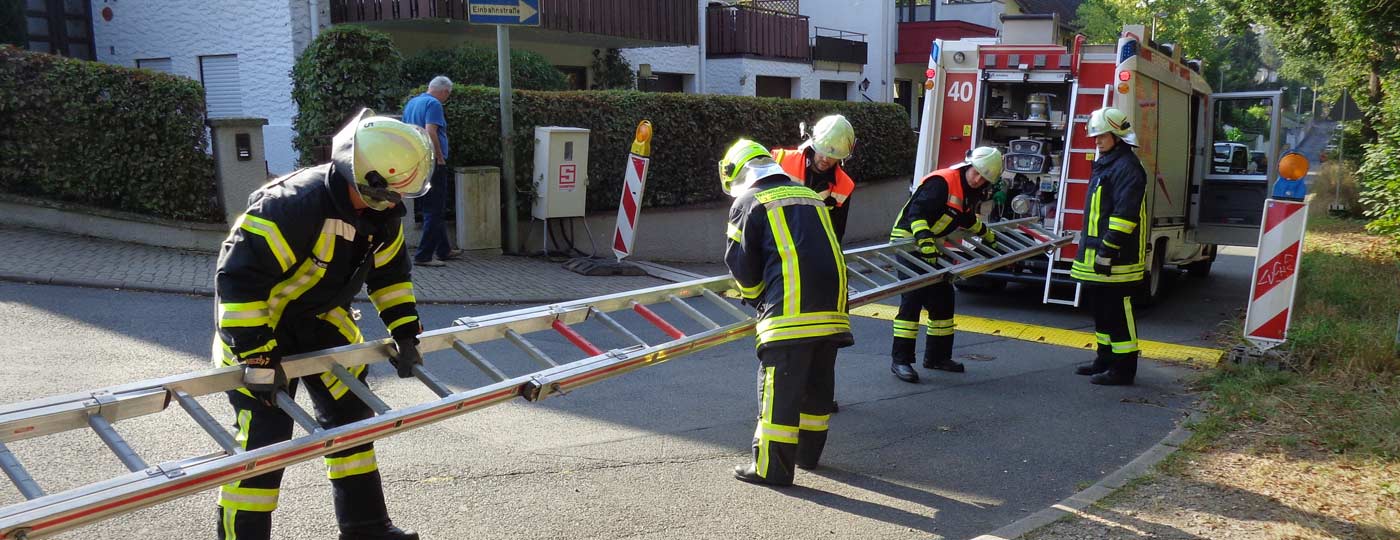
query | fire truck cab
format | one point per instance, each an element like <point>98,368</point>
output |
<point>1031,97</point>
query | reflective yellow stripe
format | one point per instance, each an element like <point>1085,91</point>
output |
<point>1121,225</point>
<point>401,321</point>
<point>769,432</point>
<point>787,251</point>
<point>1132,344</point>
<point>342,322</point>
<point>941,327</point>
<point>383,256</point>
<point>814,422</point>
<point>734,233</point>
<point>392,295</point>
<point>841,290</point>
<point>1101,338</point>
<point>244,314</point>
<point>803,332</point>
<point>272,235</point>
<point>906,329</point>
<point>1110,244</point>
<point>750,293</point>
<point>764,416</point>
<point>802,319</point>
<point>919,225</point>
<point>786,192</point>
<point>361,463</point>
<point>248,499</point>
<point>1094,212</point>
<point>307,275</point>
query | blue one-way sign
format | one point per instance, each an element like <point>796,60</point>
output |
<point>510,12</point>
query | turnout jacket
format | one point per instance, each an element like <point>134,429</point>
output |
<point>834,186</point>
<point>941,202</point>
<point>1114,211</point>
<point>301,252</point>
<point>787,262</point>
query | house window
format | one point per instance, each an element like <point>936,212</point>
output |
<point>223,95</point>
<point>60,27</point>
<point>662,82</point>
<point>836,90</point>
<point>576,76</point>
<point>766,86</point>
<point>155,64</point>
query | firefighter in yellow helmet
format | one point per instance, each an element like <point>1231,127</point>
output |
<point>1112,246</point>
<point>817,164</point>
<point>939,203</point>
<point>786,261</point>
<point>287,274</point>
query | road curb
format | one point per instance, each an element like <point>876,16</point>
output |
<point>209,291</point>
<point>1074,504</point>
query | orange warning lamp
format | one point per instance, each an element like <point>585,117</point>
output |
<point>1293,166</point>
<point>641,144</point>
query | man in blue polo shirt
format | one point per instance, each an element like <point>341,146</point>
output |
<point>426,111</point>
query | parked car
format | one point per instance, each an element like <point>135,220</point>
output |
<point>1230,158</point>
<point>1260,164</point>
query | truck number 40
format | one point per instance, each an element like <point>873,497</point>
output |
<point>960,91</point>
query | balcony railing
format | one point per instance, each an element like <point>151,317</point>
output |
<point>747,31</point>
<point>663,21</point>
<point>831,45</point>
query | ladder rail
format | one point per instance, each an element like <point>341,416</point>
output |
<point>54,513</point>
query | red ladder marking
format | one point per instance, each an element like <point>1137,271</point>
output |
<point>655,319</point>
<point>577,339</point>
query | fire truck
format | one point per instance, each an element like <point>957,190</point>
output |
<point>1030,95</point>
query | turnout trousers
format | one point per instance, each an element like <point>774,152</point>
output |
<point>937,299</point>
<point>795,386</point>
<point>1115,331</point>
<point>245,507</point>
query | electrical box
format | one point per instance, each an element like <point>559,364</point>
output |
<point>561,172</point>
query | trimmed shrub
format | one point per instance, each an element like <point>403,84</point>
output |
<point>345,68</point>
<point>470,64</point>
<point>1380,172</point>
<point>107,136</point>
<point>692,132</point>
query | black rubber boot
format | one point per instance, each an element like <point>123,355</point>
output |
<point>902,360</point>
<point>382,532</point>
<point>938,354</point>
<point>1100,365</point>
<point>1121,372</point>
<point>747,473</point>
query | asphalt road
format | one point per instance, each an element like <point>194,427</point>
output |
<point>647,455</point>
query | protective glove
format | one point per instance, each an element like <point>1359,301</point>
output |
<point>264,378</point>
<point>989,238</point>
<point>1103,265</point>
<point>407,357</point>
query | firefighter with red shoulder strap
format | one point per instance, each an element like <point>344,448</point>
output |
<point>787,263</point>
<point>817,165</point>
<point>1112,246</point>
<point>945,200</point>
<point>287,274</point>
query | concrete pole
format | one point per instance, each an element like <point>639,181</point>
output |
<point>700,70</point>
<point>507,146</point>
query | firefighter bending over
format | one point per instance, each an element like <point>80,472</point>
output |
<point>787,263</point>
<point>939,203</point>
<point>817,164</point>
<point>287,274</point>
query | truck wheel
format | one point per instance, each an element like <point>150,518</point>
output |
<point>1151,289</point>
<point>1199,269</point>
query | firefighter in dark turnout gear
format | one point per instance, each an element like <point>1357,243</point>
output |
<point>287,274</point>
<point>787,263</point>
<point>1112,247</point>
<point>817,164</point>
<point>941,202</point>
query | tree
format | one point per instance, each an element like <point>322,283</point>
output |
<point>1227,45</point>
<point>345,68</point>
<point>611,71</point>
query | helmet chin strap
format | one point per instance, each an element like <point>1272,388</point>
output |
<point>378,189</point>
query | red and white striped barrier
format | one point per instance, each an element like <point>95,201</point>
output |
<point>633,185</point>
<point>1275,273</point>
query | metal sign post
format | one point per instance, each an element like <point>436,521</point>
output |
<point>504,14</point>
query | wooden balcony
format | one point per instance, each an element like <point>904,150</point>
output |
<point>673,22</point>
<point>732,31</point>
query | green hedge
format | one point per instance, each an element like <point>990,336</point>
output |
<point>345,68</point>
<point>470,64</point>
<point>103,135</point>
<point>691,133</point>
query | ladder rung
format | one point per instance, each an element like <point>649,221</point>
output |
<point>431,381</point>
<point>1061,302</point>
<point>613,325</point>
<point>208,423</point>
<point>724,305</point>
<point>359,389</point>
<point>926,267</point>
<point>898,267</point>
<point>656,320</point>
<point>692,312</point>
<point>114,441</point>
<point>576,338</point>
<point>875,269</point>
<point>478,360</point>
<point>861,277</point>
<point>530,349</point>
<point>13,469</point>
<point>298,415</point>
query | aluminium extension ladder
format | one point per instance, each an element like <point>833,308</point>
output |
<point>874,273</point>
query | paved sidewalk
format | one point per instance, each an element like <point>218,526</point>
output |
<point>31,255</point>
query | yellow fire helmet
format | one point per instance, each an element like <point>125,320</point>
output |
<point>986,161</point>
<point>1111,120</point>
<point>392,160</point>
<point>833,137</point>
<point>745,163</point>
